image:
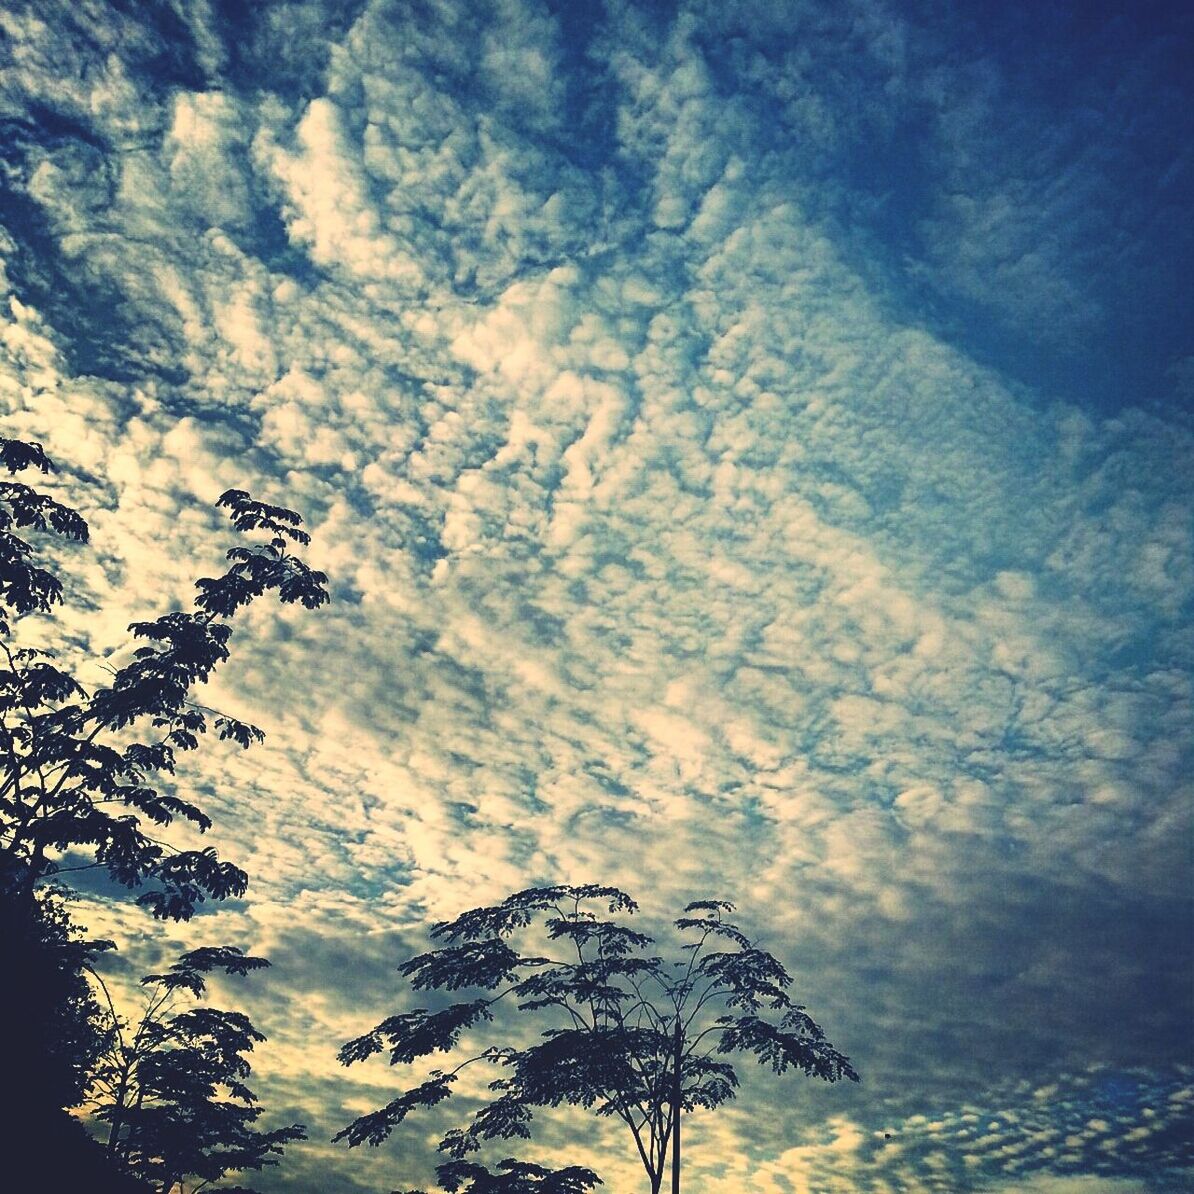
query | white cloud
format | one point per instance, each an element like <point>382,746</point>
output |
<point>666,552</point>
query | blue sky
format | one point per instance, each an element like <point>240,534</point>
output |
<point>751,448</point>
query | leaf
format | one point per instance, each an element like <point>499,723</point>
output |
<point>241,732</point>
<point>249,515</point>
<point>473,964</point>
<point>518,910</point>
<point>188,878</point>
<point>187,972</point>
<point>502,1119</point>
<point>516,1177</point>
<point>584,982</point>
<point>780,1048</point>
<point>751,975</point>
<point>713,927</point>
<point>27,507</point>
<point>417,1033</point>
<point>16,455</point>
<point>613,939</point>
<point>714,906</point>
<point>42,683</point>
<point>375,1127</point>
<point>141,757</point>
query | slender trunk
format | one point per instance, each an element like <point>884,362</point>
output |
<point>118,1109</point>
<point>136,1126</point>
<point>113,1132</point>
<point>677,1060</point>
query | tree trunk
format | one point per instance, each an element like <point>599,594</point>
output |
<point>118,1109</point>
<point>677,1061</point>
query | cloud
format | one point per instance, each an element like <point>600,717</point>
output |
<point>675,541</point>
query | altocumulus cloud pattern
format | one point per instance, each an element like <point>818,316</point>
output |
<point>750,444</point>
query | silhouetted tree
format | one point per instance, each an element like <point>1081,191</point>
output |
<point>62,1025</point>
<point>634,1037</point>
<point>70,781</point>
<point>79,772</point>
<point>54,1033</point>
<point>517,1177</point>
<point>171,1086</point>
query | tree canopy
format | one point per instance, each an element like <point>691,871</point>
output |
<point>88,783</point>
<point>171,1085</point>
<point>73,779</point>
<point>625,1032</point>
<point>512,1177</point>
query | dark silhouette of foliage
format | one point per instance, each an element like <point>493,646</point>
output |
<point>172,1086</point>
<point>53,1032</point>
<point>57,1025</point>
<point>516,1177</point>
<point>628,1035</point>
<point>72,782</point>
<point>24,586</point>
<point>85,782</point>
<point>55,1152</point>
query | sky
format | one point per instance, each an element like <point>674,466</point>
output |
<point>750,445</point>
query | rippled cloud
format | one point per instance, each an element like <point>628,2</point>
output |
<point>659,391</point>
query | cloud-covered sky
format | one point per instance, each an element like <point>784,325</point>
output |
<point>751,447</point>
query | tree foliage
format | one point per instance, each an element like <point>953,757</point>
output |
<point>626,1034</point>
<point>80,767</point>
<point>87,783</point>
<point>171,1086</point>
<point>514,1177</point>
<point>60,1026</point>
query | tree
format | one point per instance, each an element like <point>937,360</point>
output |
<point>63,1026</point>
<point>516,1177</point>
<point>68,759</point>
<point>171,1086</point>
<point>83,779</point>
<point>632,1037</point>
<point>56,1033</point>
